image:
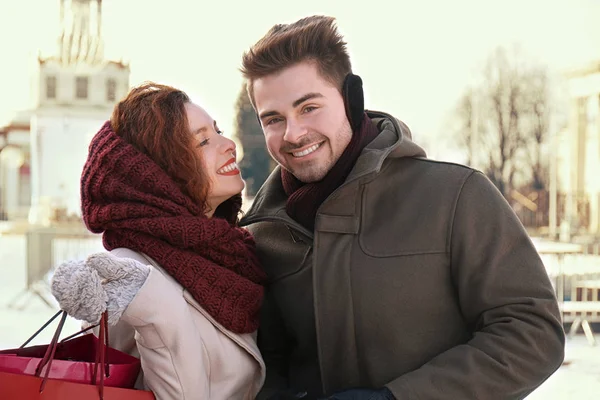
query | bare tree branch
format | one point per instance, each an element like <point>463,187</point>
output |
<point>513,109</point>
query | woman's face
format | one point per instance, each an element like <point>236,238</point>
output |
<point>218,154</point>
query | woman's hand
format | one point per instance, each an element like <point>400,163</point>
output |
<point>85,289</point>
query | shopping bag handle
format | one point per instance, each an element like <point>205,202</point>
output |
<point>101,359</point>
<point>49,355</point>
<point>101,355</point>
<point>41,329</point>
<point>49,322</point>
<point>89,328</point>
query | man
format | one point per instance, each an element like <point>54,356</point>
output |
<point>390,275</point>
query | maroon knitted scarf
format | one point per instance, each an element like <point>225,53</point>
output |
<point>304,199</point>
<point>135,204</point>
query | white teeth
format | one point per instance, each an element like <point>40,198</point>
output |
<point>227,168</point>
<point>307,151</point>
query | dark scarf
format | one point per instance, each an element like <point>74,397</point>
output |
<point>304,199</point>
<point>137,205</point>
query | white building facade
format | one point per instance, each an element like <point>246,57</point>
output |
<point>578,153</point>
<point>74,93</point>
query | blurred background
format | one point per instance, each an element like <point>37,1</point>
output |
<point>509,87</point>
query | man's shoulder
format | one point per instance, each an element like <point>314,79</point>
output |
<point>432,163</point>
<point>442,179</point>
<point>426,168</point>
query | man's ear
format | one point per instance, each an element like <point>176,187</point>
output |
<point>354,100</point>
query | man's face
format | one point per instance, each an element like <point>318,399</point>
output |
<point>303,119</point>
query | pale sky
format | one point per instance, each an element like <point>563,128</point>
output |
<point>415,57</point>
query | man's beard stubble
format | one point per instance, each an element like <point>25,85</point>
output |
<point>315,173</point>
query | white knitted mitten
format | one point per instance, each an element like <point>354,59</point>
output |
<point>85,289</point>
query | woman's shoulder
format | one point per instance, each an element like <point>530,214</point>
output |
<point>123,252</point>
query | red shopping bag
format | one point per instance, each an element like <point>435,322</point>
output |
<point>27,387</point>
<point>70,368</point>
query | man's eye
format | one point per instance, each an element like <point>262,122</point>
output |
<point>273,121</point>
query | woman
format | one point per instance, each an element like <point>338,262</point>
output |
<point>181,282</point>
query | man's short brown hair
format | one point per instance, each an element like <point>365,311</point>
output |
<point>314,38</point>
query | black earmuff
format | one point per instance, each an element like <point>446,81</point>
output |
<point>354,100</point>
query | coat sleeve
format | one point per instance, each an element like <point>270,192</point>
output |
<point>506,299</point>
<point>274,347</point>
<point>165,333</point>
